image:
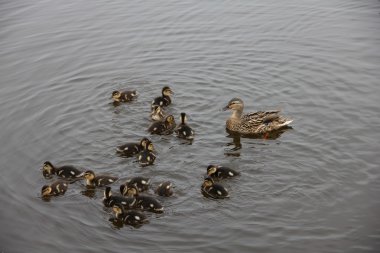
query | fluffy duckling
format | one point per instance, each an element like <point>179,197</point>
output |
<point>213,190</point>
<point>124,96</point>
<point>164,127</point>
<point>165,189</point>
<point>253,123</point>
<point>109,200</point>
<point>146,203</point>
<point>66,171</point>
<point>165,99</point>
<point>157,113</point>
<point>131,149</point>
<point>216,171</point>
<point>147,157</point>
<point>130,217</point>
<point>58,187</point>
<point>141,183</point>
<point>99,181</point>
<point>183,130</point>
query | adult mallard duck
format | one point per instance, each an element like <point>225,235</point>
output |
<point>253,123</point>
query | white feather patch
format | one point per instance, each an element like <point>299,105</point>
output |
<point>72,172</point>
<point>137,217</point>
<point>219,192</point>
<point>231,174</point>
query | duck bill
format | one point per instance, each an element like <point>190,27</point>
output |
<point>226,108</point>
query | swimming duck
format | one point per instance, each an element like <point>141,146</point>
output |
<point>141,183</point>
<point>164,127</point>
<point>131,149</point>
<point>92,180</point>
<point>157,113</point>
<point>130,217</point>
<point>165,189</point>
<point>124,96</point>
<point>216,171</point>
<point>58,187</point>
<point>183,130</point>
<point>66,171</point>
<point>213,190</point>
<point>147,157</point>
<point>109,200</point>
<point>165,99</point>
<point>253,123</point>
<point>146,203</point>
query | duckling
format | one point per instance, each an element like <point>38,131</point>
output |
<point>124,96</point>
<point>146,203</point>
<point>109,200</point>
<point>165,189</point>
<point>58,187</point>
<point>147,157</point>
<point>213,190</point>
<point>165,99</point>
<point>141,183</point>
<point>164,127</point>
<point>157,113</point>
<point>130,217</point>
<point>66,171</point>
<point>183,130</point>
<point>253,123</point>
<point>131,149</point>
<point>92,180</point>
<point>216,171</point>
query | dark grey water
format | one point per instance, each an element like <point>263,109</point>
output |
<point>315,188</point>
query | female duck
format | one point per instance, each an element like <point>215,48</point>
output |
<point>216,171</point>
<point>141,183</point>
<point>124,96</point>
<point>109,200</point>
<point>130,217</point>
<point>99,181</point>
<point>59,187</point>
<point>213,190</point>
<point>147,157</point>
<point>183,130</point>
<point>253,123</point>
<point>165,189</point>
<point>164,127</point>
<point>131,149</point>
<point>66,171</point>
<point>165,99</point>
<point>146,203</point>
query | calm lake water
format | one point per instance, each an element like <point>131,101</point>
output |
<point>315,188</point>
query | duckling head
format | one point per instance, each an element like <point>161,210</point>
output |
<point>89,175</point>
<point>107,192</point>
<point>47,169</point>
<point>208,182</point>
<point>211,169</point>
<point>117,209</point>
<point>183,118</point>
<point>144,141</point>
<point>116,94</point>
<point>169,120</point>
<point>132,191</point>
<point>46,190</point>
<point>235,104</point>
<point>166,91</point>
